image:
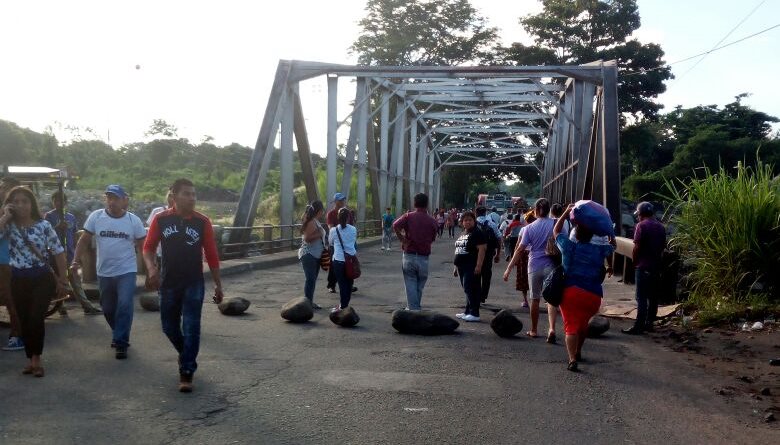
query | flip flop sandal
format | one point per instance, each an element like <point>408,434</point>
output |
<point>531,334</point>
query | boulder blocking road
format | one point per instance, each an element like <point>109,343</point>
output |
<point>263,380</point>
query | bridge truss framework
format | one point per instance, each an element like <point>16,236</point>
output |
<point>408,123</point>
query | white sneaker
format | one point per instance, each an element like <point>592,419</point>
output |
<point>383,247</point>
<point>461,315</point>
<point>470,317</point>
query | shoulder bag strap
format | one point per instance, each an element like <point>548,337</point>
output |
<point>34,249</point>
<point>340,240</point>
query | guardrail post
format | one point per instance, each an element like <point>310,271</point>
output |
<point>268,236</point>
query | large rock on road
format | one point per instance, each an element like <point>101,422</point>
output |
<point>423,323</point>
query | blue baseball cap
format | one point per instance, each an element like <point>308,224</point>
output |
<point>117,190</point>
<point>339,197</point>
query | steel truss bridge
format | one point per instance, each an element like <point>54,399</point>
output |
<point>407,123</point>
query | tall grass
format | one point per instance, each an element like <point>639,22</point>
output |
<point>728,231</point>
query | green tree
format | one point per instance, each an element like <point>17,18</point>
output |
<point>419,32</point>
<point>583,31</point>
<point>160,127</point>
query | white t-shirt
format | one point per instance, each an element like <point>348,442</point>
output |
<point>348,235</point>
<point>115,238</point>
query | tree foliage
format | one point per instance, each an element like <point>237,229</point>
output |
<point>419,32</point>
<point>583,31</point>
<point>687,142</point>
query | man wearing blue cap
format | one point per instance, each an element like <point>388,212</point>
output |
<point>332,218</point>
<point>649,244</point>
<point>117,233</point>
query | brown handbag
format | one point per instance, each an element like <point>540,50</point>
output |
<point>351,263</point>
<point>325,259</point>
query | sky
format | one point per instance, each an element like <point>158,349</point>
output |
<point>207,67</point>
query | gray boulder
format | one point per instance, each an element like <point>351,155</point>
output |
<point>346,317</point>
<point>298,310</point>
<point>504,324</point>
<point>423,323</point>
<point>234,306</point>
<point>150,302</point>
<point>597,326</point>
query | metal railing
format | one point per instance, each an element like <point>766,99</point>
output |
<point>268,238</point>
<point>622,262</point>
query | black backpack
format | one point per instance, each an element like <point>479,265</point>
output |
<point>490,236</point>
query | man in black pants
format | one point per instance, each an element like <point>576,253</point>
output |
<point>493,249</point>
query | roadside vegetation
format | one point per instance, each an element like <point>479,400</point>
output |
<point>727,232</point>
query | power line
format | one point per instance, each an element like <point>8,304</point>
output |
<point>704,53</point>
<point>721,40</point>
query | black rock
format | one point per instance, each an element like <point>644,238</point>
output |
<point>150,302</point>
<point>423,323</point>
<point>234,306</point>
<point>766,392</point>
<point>769,417</point>
<point>346,317</point>
<point>298,310</point>
<point>504,324</point>
<point>597,326</point>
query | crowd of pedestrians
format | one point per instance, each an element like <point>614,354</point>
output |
<point>35,251</point>
<point>535,241</point>
<point>40,259</point>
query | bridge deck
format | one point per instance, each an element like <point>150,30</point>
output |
<point>262,380</point>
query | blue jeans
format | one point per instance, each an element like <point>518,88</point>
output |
<point>646,297</point>
<point>415,269</point>
<point>180,309</point>
<point>116,300</point>
<point>387,237</point>
<point>311,269</point>
<point>345,284</point>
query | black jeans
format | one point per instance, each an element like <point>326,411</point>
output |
<point>646,283</point>
<point>471,287</point>
<point>345,284</point>
<point>486,275</point>
<point>31,297</point>
<point>331,273</point>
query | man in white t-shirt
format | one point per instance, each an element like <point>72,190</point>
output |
<point>117,233</point>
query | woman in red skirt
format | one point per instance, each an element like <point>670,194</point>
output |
<point>582,262</point>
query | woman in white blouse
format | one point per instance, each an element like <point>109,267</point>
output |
<point>32,242</point>
<point>342,238</point>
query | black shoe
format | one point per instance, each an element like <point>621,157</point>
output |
<point>185,382</point>
<point>573,366</point>
<point>649,328</point>
<point>632,331</point>
<point>354,289</point>
<point>121,352</point>
<point>332,290</point>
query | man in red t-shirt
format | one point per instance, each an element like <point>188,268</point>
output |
<point>332,219</point>
<point>185,235</point>
<point>417,231</point>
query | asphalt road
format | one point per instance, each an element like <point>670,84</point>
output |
<point>264,381</point>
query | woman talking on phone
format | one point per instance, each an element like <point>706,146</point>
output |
<point>32,241</point>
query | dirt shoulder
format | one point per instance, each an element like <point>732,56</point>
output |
<point>739,360</point>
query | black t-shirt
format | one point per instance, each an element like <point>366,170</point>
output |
<point>466,246</point>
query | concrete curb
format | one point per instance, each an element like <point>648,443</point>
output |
<point>242,265</point>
